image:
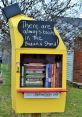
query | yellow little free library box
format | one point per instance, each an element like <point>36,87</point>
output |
<point>38,75</point>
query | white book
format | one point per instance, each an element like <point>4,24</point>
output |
<point>33,71</point>
<point>35,64</point>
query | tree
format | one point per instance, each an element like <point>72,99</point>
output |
<point>69,30</point>
<point>40,10</point>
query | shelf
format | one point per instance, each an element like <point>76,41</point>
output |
<point>41,70</point>
<point>40,90</point>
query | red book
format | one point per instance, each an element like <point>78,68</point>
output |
<point>53,75</point>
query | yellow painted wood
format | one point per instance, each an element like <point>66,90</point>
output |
<point>19,104</point>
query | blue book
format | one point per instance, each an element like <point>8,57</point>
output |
<point>48,75</point>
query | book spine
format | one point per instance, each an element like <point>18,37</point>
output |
<point>35,76</point>
<point>22,79</point>
<point>34,79</point>
<point>35,64</point>
<point>36,82</point>
<point>46,79</point>
<point>33,86</point>
<point>42,69</point>
<point>31,71</point>
<point>34,67</point>
<point>53,75</point>
<point>48,75</point>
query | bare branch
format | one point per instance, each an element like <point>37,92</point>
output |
<point>42,10</point>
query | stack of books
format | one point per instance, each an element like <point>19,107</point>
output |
<point>41,75</point>
<point>34,74</point>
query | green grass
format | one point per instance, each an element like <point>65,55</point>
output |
<point>73,103</point>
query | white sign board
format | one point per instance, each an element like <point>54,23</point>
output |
<point>42,95</point>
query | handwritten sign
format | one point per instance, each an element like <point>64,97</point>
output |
<point>38,34</point>
<point>42,95</point>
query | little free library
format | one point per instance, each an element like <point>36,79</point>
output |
<point>38,75</point>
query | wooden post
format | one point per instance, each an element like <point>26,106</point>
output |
<point>36,115</point>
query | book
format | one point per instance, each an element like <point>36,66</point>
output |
<point>34,79</point>
<point>53,75</point>
<point>22,78</point>
<point>35,76</point>
<point>48,75</point>
<point>34,82</point>
<point>34,67</point>
<point>34,71</point>
<point>33,86</point>
<point>35,64</point>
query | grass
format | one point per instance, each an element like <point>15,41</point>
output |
<point>73,104</point>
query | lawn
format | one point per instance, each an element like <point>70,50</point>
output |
<point>73,104</point>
